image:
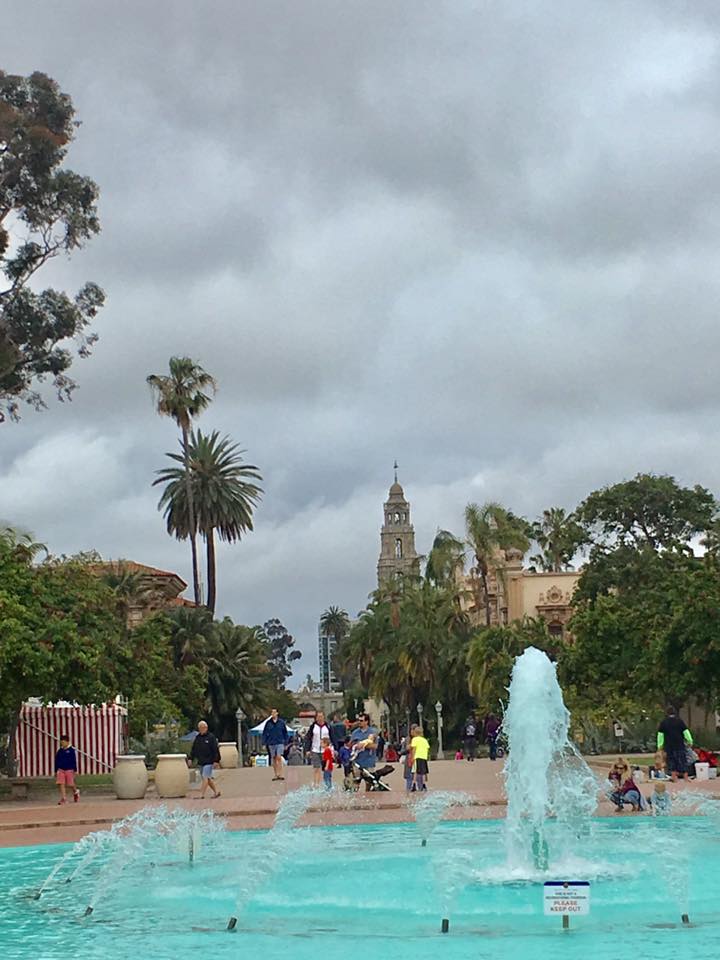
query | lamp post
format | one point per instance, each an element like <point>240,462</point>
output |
<point>239,716</point>
<point>407,723</point>
<point>420,714</point>
<point>438,710</point>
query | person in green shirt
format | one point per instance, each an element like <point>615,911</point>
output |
<point>420,754</point>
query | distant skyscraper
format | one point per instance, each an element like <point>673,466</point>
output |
<point>326,648</point>
<point>397,538</point>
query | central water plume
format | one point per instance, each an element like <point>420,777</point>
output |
<point>545,776</point>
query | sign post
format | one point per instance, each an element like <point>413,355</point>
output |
<point>566,898</point>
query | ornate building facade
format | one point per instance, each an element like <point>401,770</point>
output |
<point>398,556</point>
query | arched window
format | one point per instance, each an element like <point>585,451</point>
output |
<point>398,549</point>
<point>397,518</point>
<point>388,519</point>
<point>556,630</point>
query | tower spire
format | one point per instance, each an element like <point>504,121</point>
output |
<point>395,467</point>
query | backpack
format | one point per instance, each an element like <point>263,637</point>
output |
<point>470,730</point>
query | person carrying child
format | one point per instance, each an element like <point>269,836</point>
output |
<point>65,769</point>
<point>327,762</point>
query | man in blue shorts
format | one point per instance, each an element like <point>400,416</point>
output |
<point>275,737</point>
<point>206,752</point>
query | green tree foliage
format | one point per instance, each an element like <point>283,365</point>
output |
<point>490,531</point>
<point>279,651</point>
<point>559,536</point>
<point>492,652</point>
<point>446,559</point>
<point>182,394</point>
<point>238,676</point>
<point>224,495</point>
<point>55,211</point>
<point>418,656</point>
<point>649,510</point>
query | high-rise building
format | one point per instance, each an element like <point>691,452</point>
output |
<point>326,649</point>
<point>397,538</point>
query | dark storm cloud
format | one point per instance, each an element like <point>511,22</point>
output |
<point>479,237</point>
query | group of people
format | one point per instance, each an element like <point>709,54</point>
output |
<point>488,731</point>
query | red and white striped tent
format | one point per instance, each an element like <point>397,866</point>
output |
<point>96,733</point>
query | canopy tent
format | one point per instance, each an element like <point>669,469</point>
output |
<point>258,730</point>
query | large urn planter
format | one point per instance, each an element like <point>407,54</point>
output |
<point>172,777</point>
<point>130,777</point>
<point>228,755</point>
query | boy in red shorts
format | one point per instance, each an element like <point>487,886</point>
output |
<point>65,769</point>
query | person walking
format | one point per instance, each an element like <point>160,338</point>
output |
<point>491,730</point>
<point>206,753</point>
<point>65,769</point>
<point>317,730</point>
<point>275,737</point>
<point>470,738</point>
<point>673,736</point>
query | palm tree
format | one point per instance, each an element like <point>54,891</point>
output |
<point>237,675</point>
<point>221,490</point>
<point>490,530</point>
<point>21,544</point>
<point>446,558</point>
<point>335,623</point>
<point>191,635</point>
<point>182,396</point>
<point>558,534</point>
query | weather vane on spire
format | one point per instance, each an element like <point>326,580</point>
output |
<point>395,466</point>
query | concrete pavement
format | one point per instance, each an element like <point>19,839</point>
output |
<point>250,799</point>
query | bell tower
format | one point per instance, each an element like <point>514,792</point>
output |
<point>397,538</point>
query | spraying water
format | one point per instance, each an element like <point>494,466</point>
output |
<point>545,776</point>
<point>430,810</point>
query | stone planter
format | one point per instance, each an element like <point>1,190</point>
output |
<point>172,777</point>
<point>130,777</point>
<point>228,755</point>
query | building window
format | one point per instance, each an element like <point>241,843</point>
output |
<point>556,630</point>
<point>397,518</point>
<point>398,549</point>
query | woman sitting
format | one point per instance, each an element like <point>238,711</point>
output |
<point>623,788</point>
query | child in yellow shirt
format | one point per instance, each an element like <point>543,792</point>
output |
<point>420,754</point>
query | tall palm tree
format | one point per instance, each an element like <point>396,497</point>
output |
<point>182,396</point>
<point>191,635</point>
<point>221,487</point>
<point>22,545</point>
<point>558,534</point>
<point>490,530</point>
<point>335,623</point>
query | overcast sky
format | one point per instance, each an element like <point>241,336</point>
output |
<point>479,237</point>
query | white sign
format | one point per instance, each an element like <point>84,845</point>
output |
<point>619,732</point>
<point>567,898</point>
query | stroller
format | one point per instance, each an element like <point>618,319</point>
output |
<point>371,778</point>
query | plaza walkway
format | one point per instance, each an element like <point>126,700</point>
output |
<point>250,799</point>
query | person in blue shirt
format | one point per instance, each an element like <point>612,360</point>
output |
<point>275,737</point>
<point>364,739</point>
<point>65,769</point>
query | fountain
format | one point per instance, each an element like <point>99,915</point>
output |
<point>545,776</point>
<point>431,808</point>
<point>150,832</point>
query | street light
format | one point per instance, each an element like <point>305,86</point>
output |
<point>420,713</point>
<point>438,710</point>
<point>239,716</point>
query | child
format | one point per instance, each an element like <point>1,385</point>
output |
<point>459,755</point>
<point>344,755</point>
<point>406,756</point>
<point>327,762</point>
<point>660,760</point>
<point>65,769</point>
<point>420,751</point>
<point>661,801</point>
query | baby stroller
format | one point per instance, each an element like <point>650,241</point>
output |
<point>371,778</point>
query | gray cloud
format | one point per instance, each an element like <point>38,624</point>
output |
<point>479,237</point>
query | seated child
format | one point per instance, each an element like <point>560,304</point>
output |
<point>459,755</point>
<point>660,766</point>
<point>661,800</point>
